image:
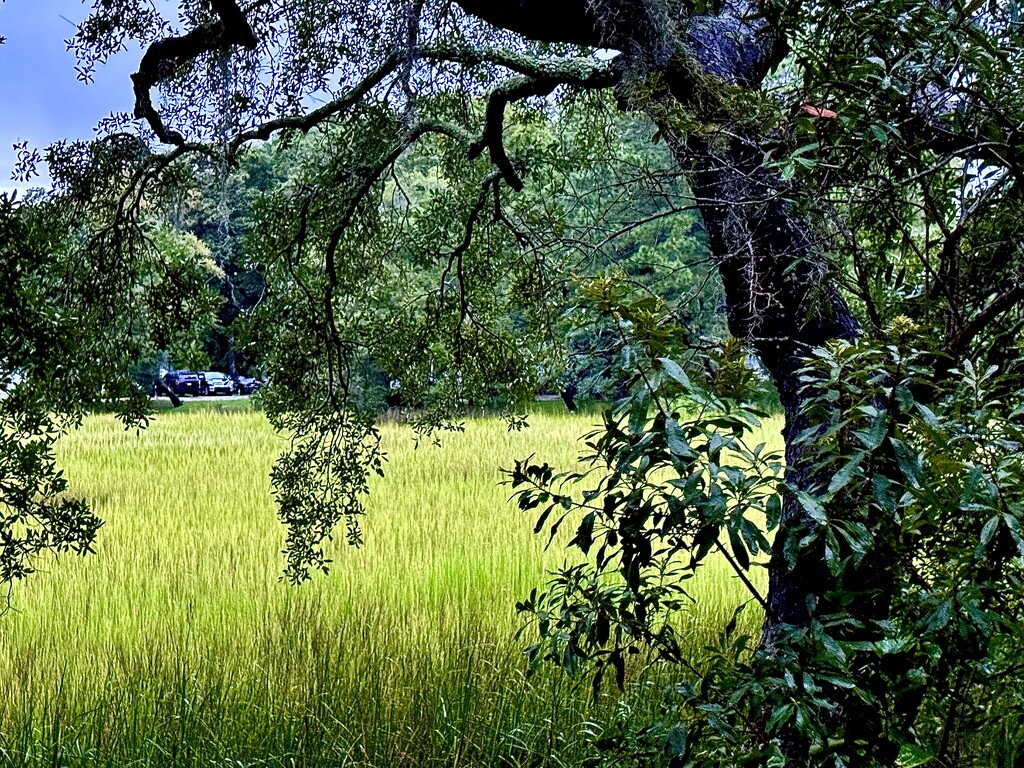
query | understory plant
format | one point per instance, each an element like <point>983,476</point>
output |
<point>909,536</point>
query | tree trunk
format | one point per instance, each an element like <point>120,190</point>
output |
<point>778,300</point>
<point>232,371</point>
<point>168,393</point>
<point>776,287</point>
<point>778,295</point>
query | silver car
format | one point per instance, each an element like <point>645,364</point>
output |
<point>218,383</point>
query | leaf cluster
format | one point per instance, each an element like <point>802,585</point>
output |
<point>911,526</point>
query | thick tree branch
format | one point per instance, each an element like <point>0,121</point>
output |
<point>578,70</point>
<point>539,78</point>
<point>518,89</point>
<point>494,125</point>
<point>163,57</point>
<point>309,120</point>
<point>555,21</point>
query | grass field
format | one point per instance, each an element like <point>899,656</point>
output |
<point>175,644</point>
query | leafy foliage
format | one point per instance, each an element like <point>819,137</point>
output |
<point>179,303</point>
<point>320,481</point>
<point>869,188</point>
<point>37,334</point>
<point>662,494</point>
<point>916,513</point>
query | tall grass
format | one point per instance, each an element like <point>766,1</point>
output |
<point>176,644</point>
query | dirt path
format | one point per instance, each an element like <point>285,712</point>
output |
<point>205,398</point>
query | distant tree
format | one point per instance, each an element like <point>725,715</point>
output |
<point>216,208</point>
<point>76,318</point>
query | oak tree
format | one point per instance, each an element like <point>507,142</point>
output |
<point>856,167</point>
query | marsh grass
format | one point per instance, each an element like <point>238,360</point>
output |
<point>176,643</point>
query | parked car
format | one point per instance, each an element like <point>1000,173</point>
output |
<point>217,383</point>
<point>246,385</point>
<point>184,383</point>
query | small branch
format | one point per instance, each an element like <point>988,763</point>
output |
<point>768,612</point>
<point>524,87</point>
<point>310,120</point>
<point>515,89</point>
<point>1002,303</point>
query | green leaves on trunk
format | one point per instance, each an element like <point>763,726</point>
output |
<point>910,524</point>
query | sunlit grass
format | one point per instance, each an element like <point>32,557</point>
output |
<point>176,643</point>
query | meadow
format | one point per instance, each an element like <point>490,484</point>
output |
<point>177,644</point>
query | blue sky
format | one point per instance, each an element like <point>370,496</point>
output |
<point>40,98</point>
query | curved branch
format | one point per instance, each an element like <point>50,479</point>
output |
<point>539,78</point>
<point>516,89</point>
<point>164,56</point>
<point>309,120</point>
<point>575,69</point>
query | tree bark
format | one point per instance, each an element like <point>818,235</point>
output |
<point>777,290</point>
<point>778,300</point>
<point>169,393</point>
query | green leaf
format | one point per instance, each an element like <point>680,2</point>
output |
<point>812,507</point>
<point>908,461</point>
<point>873,438</point>
<point>715,445</point>
<point>904,397</point>
<point>731,626</point>
<point>832,558</point>
<point>858,537</point>
<point>929,417</point>
<point>842,478</point>
<point>939,617</point>
<point>779,717</point>
<point>839,681</point>
<point>702,543</point>
<point>989,531</point>
<point>675,741</point>
<point>884,496</point>
<point>773,512</point>
<point>676,441</point>
<point>833,651</point>
<point>674,371</point>
<point>739,551</point>
<point>1015,531</point>
<point>542,519</point>
<point>912,756</point>
<point>975,486</point>
<point>584,537</point>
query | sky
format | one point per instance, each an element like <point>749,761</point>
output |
<point>41,100</point>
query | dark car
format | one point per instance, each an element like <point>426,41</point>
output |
<point>184,383</point>
<point>247,385</point>
<point>217,383</point>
